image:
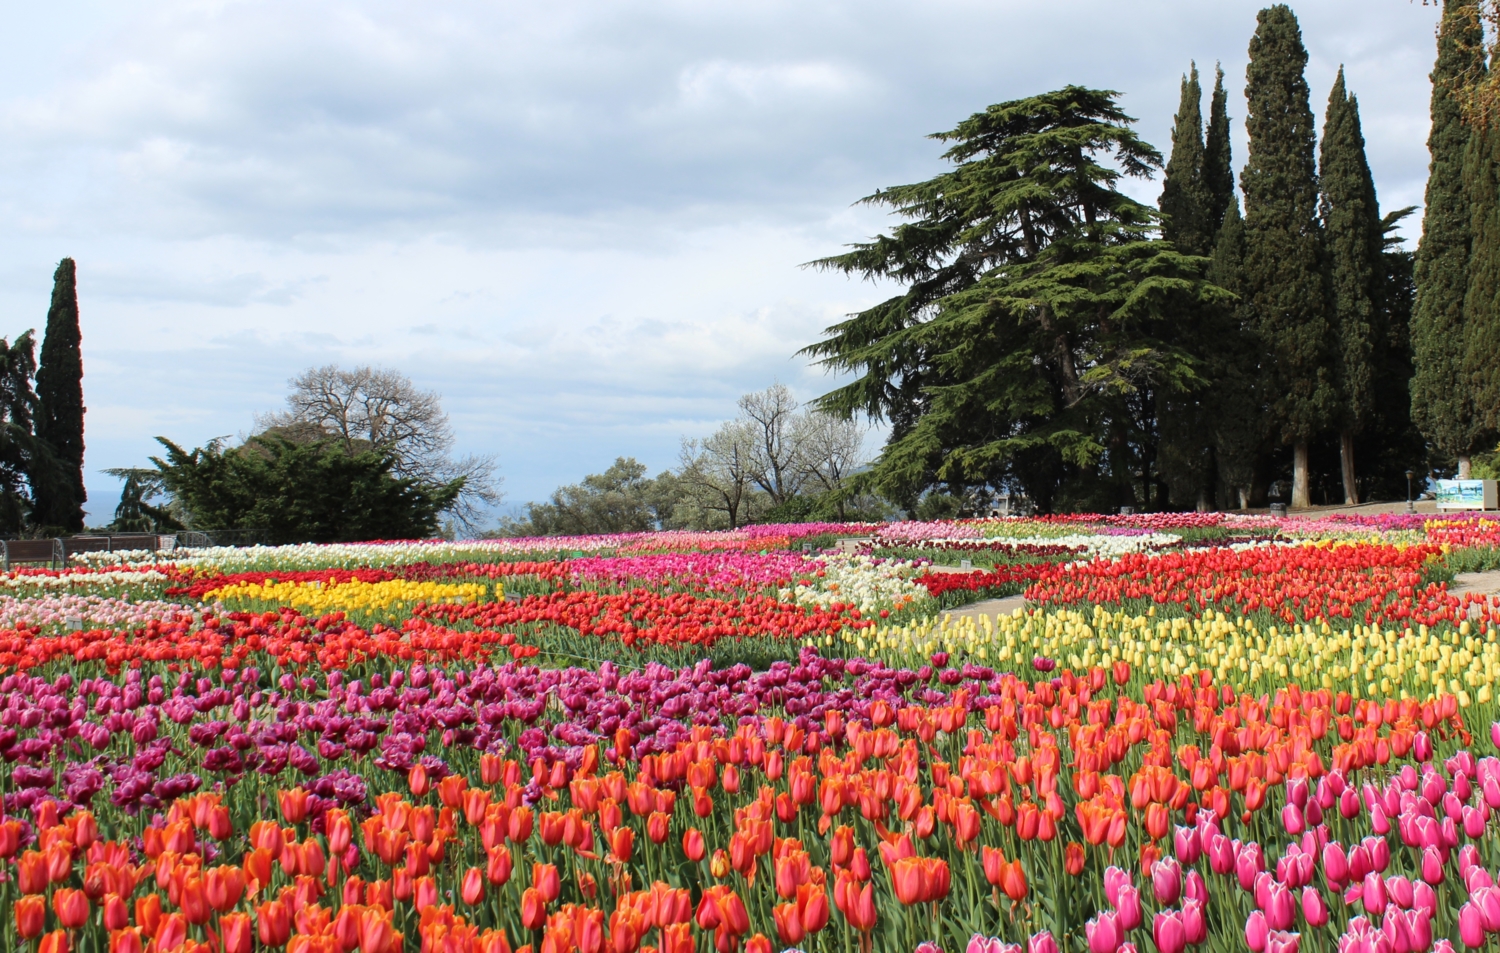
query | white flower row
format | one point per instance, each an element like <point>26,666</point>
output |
<point>862,581</point>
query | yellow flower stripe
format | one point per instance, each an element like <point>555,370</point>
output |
<point>352,596</point>
<point>1363,660</point>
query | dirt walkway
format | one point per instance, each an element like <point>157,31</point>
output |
<point>1479,583</point>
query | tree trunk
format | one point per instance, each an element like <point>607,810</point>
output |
<point>1346,456</point>
<point>1301,499</point>
<point>1463,466</point>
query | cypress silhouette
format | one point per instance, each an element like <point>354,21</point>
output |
<point>1218,173</point>
<point>1441,403</point>
<point>1355,240</point>
<point>57,483</point>
<point>1185,199</point>
<point>1285,279</point>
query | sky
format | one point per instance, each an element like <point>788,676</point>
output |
<point>583,224</point>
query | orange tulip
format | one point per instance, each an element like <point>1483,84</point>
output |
<point>788,919</point>
<point>417,781</point>
<point>758,944</point>
<point>498,868</point>
<point>473,886</point>
<point>274,923</point>
<point>148,913</point>
<point>54,942</point>
<point>116,914</point>
<point>224,886</point>
<point>293,805</point>
<point>31,916</point>
<point>31,872</point>
<point>622,845</point>
<point>376,932</point>
<point>1073,859</point>
<point>267,835</point>
<point>1013,881</point>
<point>71,907</point>
<point>235,932</point>
<point>127,940</point>
<point>545,879</point>
<point>692,844</point>
<point>533,909</point>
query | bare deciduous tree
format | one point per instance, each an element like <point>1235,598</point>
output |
<point>770,420</point>
<point>382,409</point>
<point>830,449</point>
<point>719,472</point>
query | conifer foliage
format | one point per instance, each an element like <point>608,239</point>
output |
<point>1186,202</point>
<point>1285,277</point>
<point>1441,402</point>
<point>1036,316</point>
<point>1355,241</point>
<point>58,489</point>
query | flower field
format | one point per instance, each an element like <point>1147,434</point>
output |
<point>1199,731</point>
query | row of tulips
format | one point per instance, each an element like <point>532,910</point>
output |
<point>1086,810</point>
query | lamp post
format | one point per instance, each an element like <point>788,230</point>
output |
<point>1409,507</point>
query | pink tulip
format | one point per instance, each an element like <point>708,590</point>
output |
<point>1359,862</point>
<point>1041,943</point>
<point>1462,787</point>
<point>1468,856</point>
<point>1314,910</point>
<point>1166,880</point>
<point>1489,906</point>
<point>1128,907</point>
<point>1453,807</point>
<point>1475,821</point>
<point>1495,734</point>
<point>1103,933</point>
<point>1349,803</point>
<point>1187,845</point>
<point>1195,888</point>
<point>1312,814</point>
<point>1490,787</point>
<point>1380,852</point>
<point>1407,777</point>
<point>1296,791</point>
<point>1248,862</point>
<point>1471,926</point>
<point>1114,879</point>
<point>1449,832</point>
<point>1444,945</point>
<point>1278,941</point>
<point>1292,820</point>
<point>1432,865</point>
<point>1335,865</point>
<point>1263,882</point>
<point>1256,930</point>
<point>1194,927</point>
<point>1398,890</point>
<point>1168,932</point>
<point>1421,748</point>
<point>1374,893</point>
<point>1220,854</point>
<point>1281,912</point>
<point>1424,897</point>
<point>1326,795</point>
<point>1477,879</point>
<point>1419,923</point>
<point>1379,823</point>
<point>1396,930</point>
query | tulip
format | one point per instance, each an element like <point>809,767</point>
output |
<point>1168,932</point>
<point>546,880</point>
<point>31,916</point>
<point>235,932</point>
<point>1194,927</point>
<point>472,889</point>
<point>71,907</point>
<point>1471,929</point>
<point>273,922</point>
<point>1166,880</point>
<point>54,942</point>
<point>1256,931</point>
<point>1128,907</point>
<point>1073,860</point>
<point>692,844</point>
<point>1374,896</point>
<point>1103,933</point>
<point>128,940</point>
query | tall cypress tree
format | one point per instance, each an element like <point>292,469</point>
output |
<point>1481,328</point>
<point>1441,402</point>
<point>1355,240</point>
<point>59,494</point>
<point>1218,171</point>
<point>1185,199</point>
<point>1285,274</point>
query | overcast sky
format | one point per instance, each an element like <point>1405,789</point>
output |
<point>581,223</point>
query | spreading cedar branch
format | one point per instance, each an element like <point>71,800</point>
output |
<point>1037,297</point>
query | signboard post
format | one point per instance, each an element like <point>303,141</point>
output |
<point>1467,495</point>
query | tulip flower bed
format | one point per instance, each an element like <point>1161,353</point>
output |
<point>1204,731</point>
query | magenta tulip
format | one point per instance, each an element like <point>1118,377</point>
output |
<point>1194,927</point>
<point>1335,865</point>
<point>1314,910</point>
<point>1128,905</point>
<point>1374,894</point>
<point>1168,932</point>
<point>1041,943</point>
<point>1103,933</point>
<point>1166,880</point>
<point>1432,865</point>
<point>1256,931</point>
